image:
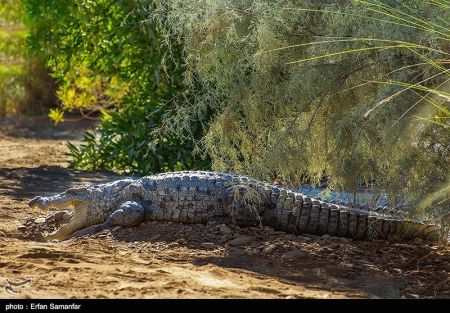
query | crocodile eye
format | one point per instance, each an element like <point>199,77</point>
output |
<point>116,189</point>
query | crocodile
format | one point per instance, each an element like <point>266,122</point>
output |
<point>199,197</point>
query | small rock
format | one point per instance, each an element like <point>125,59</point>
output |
<point>238,235</point>
<point>289,297</point>
<point>325,237</point>
<point>241,241</point>
<point>268,230</point>
<point>304,238</point>
<point>40,220</point>
<point>403,245</point>
<point>225,230</point>
<point>397,270</point>
<point>115,228</point>
<point>155,237</point>
<point>21,228</point>
<point>414,296</point>
<point>208,245</point>
<point>66,217</point>
<point>292,255</point>
<point>348,265</point>
<point>346,240</point>
<point>59,215</point>
<point>182,241</point>
<point>269,249</point>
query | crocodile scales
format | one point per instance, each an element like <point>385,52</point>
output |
<point>198,197</point>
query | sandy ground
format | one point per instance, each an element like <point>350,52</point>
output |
<point>168,260</point>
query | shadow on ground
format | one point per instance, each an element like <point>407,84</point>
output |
<point>42,127</point>
<point>20,183</point>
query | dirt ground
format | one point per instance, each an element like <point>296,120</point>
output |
<point>169,260</point>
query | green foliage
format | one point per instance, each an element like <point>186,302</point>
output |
<point>302,88</point>
<point>25,87</point>
<point>107,60</point>
<point>124,143</point>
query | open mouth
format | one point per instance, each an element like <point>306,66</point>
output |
<point>63,201</point>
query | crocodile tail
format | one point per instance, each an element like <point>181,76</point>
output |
<point>297,213</point>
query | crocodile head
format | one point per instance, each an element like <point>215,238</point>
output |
<point>91,204</point>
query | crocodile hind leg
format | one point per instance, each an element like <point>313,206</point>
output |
<point>129,214</point>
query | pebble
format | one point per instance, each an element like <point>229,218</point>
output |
<point>59,215</point>
<point>66,217</point>
<point>348,265</point>
<point>403,245</point>
<point>155,237</point>
<point>241,241</point>
<point>269,249</point>
<point>268,230</point>
<point>225,230</point>
<point>115,228</point>
<point>208,245</point>
<point>304,238</point>
<point>397,270</point>
<point>21,228</point>
<point>40,220</point>
<point>292,255</point>
<point>345,240</point>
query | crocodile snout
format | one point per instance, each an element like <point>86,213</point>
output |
<point>35,202</point>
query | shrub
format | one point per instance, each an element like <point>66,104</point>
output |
<point>107,60</point>
<point>354,89</point>
<point>25,85</point>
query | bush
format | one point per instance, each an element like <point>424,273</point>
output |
<point>107,60</point>
<point>354,89</point>
<point>25,85</point>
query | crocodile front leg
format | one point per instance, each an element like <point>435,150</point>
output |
<point>129,214</point>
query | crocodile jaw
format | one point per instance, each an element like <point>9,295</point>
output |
<point>59,201</point>
<point>77,222</point>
